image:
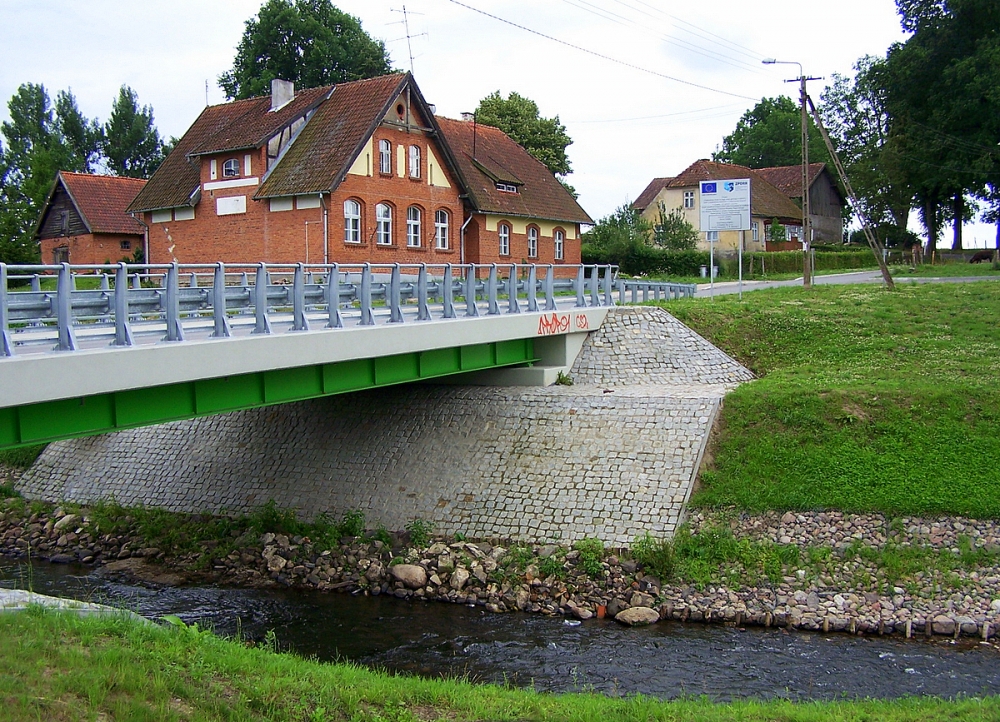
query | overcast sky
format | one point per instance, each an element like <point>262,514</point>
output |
<point>628,124</point>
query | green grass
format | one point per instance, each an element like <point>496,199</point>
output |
<point>946,270</point>
<point>21,458</point>
<point>868,399</point>
<point>58,668</point>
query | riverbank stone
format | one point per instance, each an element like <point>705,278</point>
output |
<point>637,616</point>
<point>413,576</point>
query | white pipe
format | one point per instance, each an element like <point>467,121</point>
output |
<point>461,254</point>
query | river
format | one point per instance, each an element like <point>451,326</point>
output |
<point>434,639</point>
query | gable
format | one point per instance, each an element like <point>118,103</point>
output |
<point>60,216</point>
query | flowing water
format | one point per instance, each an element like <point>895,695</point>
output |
<point>436,639</point>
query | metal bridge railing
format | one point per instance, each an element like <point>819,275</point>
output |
<point>643,291</point>
<point>174,299</point>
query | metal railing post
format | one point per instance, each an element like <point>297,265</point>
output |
<point>299,320</point>
<point>367,316</point>
<point>173,306</point>
<point>219,303</point>
<point>580,298</point>
<point>193,281</point>
<point>512,305</point>
<point>263,323</point>
<point>491,292</point>
<point>36,284</point>
<point>6,347</point>
<point>64,309</point>
<point>123,332</point>
<point>423,310</point>
<point>448,293</point>
<point>595,296</point>
<point>550,289</point>
<point>621,292</point>
<point>608,300</point>
<point>395,309</point>
<point>471,309</point>
<point>333,298</point>
<point>532,289</point>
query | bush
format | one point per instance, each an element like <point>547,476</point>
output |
<point>640,259</point>
<point>21,458</point>
<point>420,532</point>
<point>591,556</point>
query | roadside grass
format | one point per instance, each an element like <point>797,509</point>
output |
<point>21,458</point>
<point>59,667</point>
<point>946,270</point>
<point>867,400</point>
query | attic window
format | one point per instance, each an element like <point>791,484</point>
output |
<point>231,168</point>
<point>506,187</point>
<point>401,111</point>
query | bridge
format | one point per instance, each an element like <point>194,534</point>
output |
<point>90,349</point>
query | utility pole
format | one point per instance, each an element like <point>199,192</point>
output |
<point>806,223</point>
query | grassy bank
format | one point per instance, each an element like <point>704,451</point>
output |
<point>868,400</point>
<point>55,667</point>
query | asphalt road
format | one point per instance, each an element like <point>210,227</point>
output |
<point>729,287</point>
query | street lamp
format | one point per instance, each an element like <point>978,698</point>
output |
<point>806,228</point>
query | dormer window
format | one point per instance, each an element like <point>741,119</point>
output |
<point>506,187</point>
<point>231,168</point>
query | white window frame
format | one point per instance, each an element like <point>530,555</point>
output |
<point>688,199</point>
<point>755,230</point>
<point>558,241</point>
<point>413,227</point>
<point>712,236</point>
<point>503,234</point>
<point>383,224</point>
<point>352,221</point>
<point>385,157</point>
<point>441,230</point>
<point>231,168</point>
<point>532,243</point>
<point>415,161</point>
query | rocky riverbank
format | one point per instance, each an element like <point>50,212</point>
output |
<point>840,572</point>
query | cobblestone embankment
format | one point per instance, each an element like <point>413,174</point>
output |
<point>610,457</point>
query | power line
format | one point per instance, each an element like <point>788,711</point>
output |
<point>601,55</point>
<point>657,117</point>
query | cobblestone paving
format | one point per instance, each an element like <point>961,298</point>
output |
<point>595,459</point>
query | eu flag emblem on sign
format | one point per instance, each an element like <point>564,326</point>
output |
<point>709,188</point>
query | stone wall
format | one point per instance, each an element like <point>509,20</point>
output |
<point>611,457</point>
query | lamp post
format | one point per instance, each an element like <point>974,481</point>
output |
<point>806,226</point>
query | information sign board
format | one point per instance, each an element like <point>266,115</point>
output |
<point>725,205</point>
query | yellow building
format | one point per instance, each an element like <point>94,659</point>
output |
<point>766,204</point>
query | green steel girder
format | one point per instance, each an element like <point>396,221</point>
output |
<point>70,418</point>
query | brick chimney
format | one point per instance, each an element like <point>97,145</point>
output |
<point>282,93</point>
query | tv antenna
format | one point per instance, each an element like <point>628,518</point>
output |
<point>405,22</point>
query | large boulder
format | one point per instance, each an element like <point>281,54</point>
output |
<point>411,575</point>
<point>638,616</point>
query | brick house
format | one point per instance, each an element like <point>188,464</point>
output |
<point>766,203</point>
<point>84,221</point>
<point>361,171</point>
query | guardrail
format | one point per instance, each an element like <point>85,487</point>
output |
<point>174,298</point>
<point>642,291</point>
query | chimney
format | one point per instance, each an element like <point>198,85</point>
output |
<point>282,93</point>
<point>468,117</point>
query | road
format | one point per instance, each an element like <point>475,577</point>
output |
<point>730,287</point>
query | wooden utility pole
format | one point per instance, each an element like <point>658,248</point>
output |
<point>806,225</point>
<point>869,234</point>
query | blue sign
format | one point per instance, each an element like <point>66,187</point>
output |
<point>709,188</point>
<point>728,186</point>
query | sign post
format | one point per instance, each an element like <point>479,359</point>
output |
<point>725,206</point>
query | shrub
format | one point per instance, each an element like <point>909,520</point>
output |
<point>420,532</point>
<point>591,556</point>
<point>21,458</point>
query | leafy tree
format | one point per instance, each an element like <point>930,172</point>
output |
<point>673,231</point>
<point>623,228</point>
<point>40,141</point>
<point>131,142</point>
<point>518,117</point>
<point>310,42</point>
<point>776,231</point>
<point>770,134</point>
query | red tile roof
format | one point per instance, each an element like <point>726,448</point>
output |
<point>318,159</point>
<point>498,158</point>
<point>101,201</point>
<point>649,194</point>
<point>788,178</point>
<point>765,199</point>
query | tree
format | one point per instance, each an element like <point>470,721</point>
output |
<point>41,140</point>
<point>131,142</point>
<point>519,117</point>
<point>770,135</point>
<point>309,42</point>
<point>673,231</point>
<point>623,228</point>
<point>776,231</point>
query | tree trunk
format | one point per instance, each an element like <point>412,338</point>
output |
<point>958,211</point>
<point>930,221</point>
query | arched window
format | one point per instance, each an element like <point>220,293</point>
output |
<point>559,238</point>
<point>352,222</point>
<point>532,242</point>
<point>414,161</point>
<point>441,230</point>
<point>385,157</point>
<point>231,168</point>
<point>413,227</point>
<point>383,224</point>
<point>503,232</point>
